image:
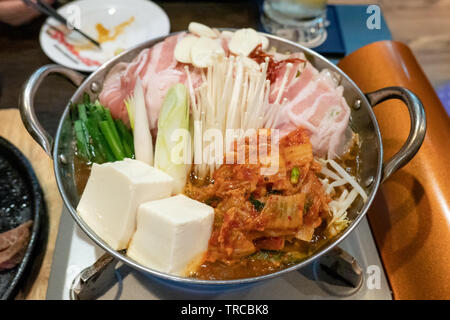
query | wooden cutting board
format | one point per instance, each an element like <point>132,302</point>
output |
<point>12,129</point>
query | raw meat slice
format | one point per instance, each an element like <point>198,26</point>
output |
<point>13,244</point>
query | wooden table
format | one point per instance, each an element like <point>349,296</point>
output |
<point>422,24</point>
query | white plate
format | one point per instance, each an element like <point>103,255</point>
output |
<point>150,21</point>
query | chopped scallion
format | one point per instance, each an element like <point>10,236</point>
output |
<point>295,175</point>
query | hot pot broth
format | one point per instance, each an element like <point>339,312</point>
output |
<point>264,261</point>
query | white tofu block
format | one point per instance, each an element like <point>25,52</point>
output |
<point>113,194</point>
<point>172,234</point>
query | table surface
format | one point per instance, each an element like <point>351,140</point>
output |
<point>424,25</point>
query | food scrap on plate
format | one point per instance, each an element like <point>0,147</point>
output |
<point>79,49</point>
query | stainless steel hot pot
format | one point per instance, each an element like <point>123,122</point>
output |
<point>363,121</point>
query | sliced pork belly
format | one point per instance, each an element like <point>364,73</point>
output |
<point>158,70</point>
<point>114,93</point>
<point>296,66</point>
<point>314,101</point>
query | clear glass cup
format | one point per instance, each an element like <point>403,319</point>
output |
<point>302,21</point>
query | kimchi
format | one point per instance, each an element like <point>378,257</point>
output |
<point>256,212</point>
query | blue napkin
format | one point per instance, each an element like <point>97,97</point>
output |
<point>348,30</point>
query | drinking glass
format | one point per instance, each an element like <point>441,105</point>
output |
<point>302,21</point>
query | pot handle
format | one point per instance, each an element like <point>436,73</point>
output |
<point>26,102</point>
<point>416,133</point>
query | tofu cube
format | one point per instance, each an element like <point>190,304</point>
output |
<point>113,194</point>
<point>172,234</point>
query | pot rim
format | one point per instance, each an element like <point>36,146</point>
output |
<point>192,281</point>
